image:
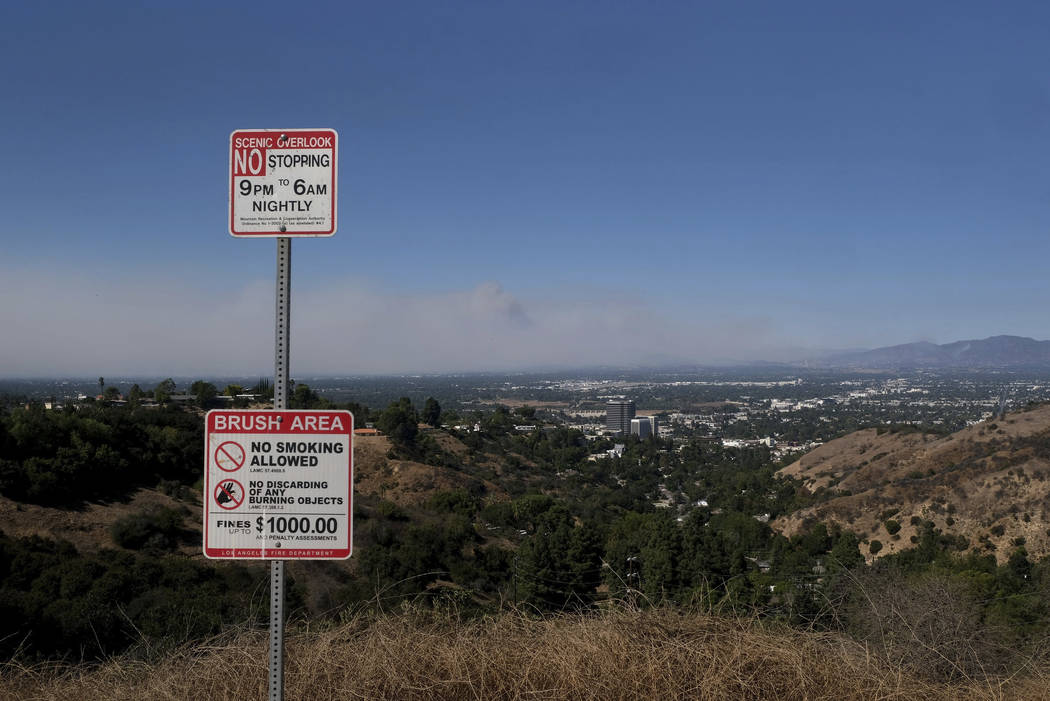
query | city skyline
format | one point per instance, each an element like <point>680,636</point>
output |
<point>525,187</point>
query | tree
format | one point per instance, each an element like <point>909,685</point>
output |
<point>400,423</point>
<point>498,421</point>
<point>101,386</point>
<point>645,553</point>
<point>1018,570</point>
<point>360,412</point>
<point>455,501</point>
<point>205,392</point>
<point>526,412</point>
<point>163,391</point>
<point>135,395</point>
<point>263,388</point>
<point>235,392</point>
<point>431,412</point>
<point>111,394</point>
<point>845,553</point>
<point>559,565</point>
<point>529,508</point>
<point>304,398</point>
<point>816,541</point>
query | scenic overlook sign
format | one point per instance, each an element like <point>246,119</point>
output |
<point>282,182</point>
<point>278,485</point>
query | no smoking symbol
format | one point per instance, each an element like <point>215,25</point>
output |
<point>229,494</point>
<point>229,456</point>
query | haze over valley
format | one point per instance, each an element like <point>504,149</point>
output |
<point>429,351</point>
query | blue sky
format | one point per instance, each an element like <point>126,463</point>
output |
<point>524,184</point>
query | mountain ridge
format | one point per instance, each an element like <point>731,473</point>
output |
<point>994,351</point>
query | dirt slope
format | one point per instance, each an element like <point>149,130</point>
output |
<point>406,482</point>
<point>87,527</point>
<point>990,481</point>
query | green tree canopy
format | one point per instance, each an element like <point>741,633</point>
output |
<point>559,565</point>
<point>400,423</point>
<point>845,554</point>
<point>163,391</point>
<point>431,412</point>
<point>205,392</point>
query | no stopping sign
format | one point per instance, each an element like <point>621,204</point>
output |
<point>282,182</point>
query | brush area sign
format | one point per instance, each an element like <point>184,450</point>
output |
<point>278,485</point>
<point>282,182</point>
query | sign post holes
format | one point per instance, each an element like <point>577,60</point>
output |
<point>279,486</point>
<point>282,185</point>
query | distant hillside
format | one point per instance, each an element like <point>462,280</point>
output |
<point>996,351</point>
<point>408,483</point>
<point>376,477</point>
<point>989,483</point>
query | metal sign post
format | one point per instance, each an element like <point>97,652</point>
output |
<point>280,402</point>
<point>282,185</point>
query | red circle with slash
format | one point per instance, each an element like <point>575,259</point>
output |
<point>229,494</point>
<point>229,456</point>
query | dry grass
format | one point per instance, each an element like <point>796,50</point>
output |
<point>618,655</point>
<point>405,482</point>
<point>980,470</point>
<point>88,527</point>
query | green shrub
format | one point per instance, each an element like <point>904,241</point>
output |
<point>455,501</point>
<point>154,529</point>
<point>57,602</point>
<point>63,458</point>
<point>390,510</point>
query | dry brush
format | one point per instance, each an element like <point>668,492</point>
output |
<point>616,655</point>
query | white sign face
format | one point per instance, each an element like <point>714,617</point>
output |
<point>278,485</point>
<point>282,182</point>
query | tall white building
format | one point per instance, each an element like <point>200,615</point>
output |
<point>644,426</point>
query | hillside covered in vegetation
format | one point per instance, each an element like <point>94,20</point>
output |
<point>988,485</point>
<point>100,545</point>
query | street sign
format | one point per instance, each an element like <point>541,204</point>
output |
<point>282,182</point>
<point>278,485</point>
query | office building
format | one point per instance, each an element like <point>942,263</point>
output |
<point>644,426</point>
<point>618,415</point>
